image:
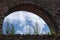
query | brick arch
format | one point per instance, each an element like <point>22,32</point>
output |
<point>37,9</point>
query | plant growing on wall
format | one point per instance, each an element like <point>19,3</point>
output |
<point>52,31</point>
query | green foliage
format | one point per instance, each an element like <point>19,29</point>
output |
<point>9,29</point>
<point>12,29</point>
<point>52,31</point>
<point>49,33</point>
<point>36,28</point>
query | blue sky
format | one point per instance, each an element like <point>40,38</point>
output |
<point>23,20</point>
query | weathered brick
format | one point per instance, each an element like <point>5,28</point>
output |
<point>53,6</point>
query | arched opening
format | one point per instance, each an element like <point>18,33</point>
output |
<point>24,22</point>
<point>37,10</point>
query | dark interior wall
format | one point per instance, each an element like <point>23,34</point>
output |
<point>52,6</point>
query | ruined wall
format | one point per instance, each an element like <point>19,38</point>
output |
<point>53,6</point>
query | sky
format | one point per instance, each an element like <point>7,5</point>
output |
<point>24,23</point>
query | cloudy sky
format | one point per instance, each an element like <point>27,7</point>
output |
<point>24,23</point>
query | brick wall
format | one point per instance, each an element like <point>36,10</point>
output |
<point>52,6</point>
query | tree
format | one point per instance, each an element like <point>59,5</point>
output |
<point>9,28</point>
<point>12,29</point>
<point>36,31</point>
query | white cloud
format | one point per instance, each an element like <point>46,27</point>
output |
<point>18,32</point>
<point>21,16</point>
